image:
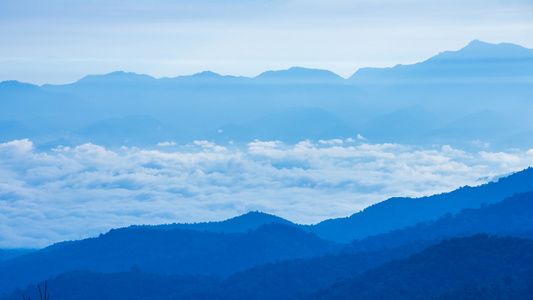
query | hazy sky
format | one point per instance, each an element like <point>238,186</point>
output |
<point>60,41</point>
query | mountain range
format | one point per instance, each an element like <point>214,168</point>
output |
<point>478,93</point>
<point>393,214</point>
<point>262,256</point>
<point>470,243</point>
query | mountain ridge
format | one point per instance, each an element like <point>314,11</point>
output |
<point>399,212</point>
<point>192,251</point>
<point>476,60</point>
<point>372,220</point>
<point>241,223</point>
<point>168,252</point>
<point>445,267</point>
<point>197,106</point>
<point>475,49</point>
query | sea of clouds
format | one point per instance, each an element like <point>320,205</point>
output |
<point>76,192</point>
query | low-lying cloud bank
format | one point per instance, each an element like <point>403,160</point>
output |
<point>72,193</point>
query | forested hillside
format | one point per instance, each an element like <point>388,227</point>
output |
<point>165,252</point>
<point>397,213</point>
<point>498,268</point>
<point>477,267</point>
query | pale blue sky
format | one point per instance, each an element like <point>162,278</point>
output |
<point>60,41</point>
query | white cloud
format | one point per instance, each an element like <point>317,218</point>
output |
<point>166,144</point>
<point>76,192</point>
<point>17,147</point>
<point>331,142</point>
<point>505,159</point>
<point>209,145</point>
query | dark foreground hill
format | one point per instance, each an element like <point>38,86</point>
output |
<point>139,252</point>
<point>497,268</point>
<point>478,267</point>
<point>247,245</point>
<point>7,254</point>
<point>292,277</point>
<point>512,216</point>
<point>273,281</point>
<point>165,252</point>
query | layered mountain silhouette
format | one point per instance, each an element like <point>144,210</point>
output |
<point>488,82</point>
<point>477,62</point>
<point>460,268</point>
<point>7,254</point>
<point>280,280</point>
<point>433,247</point>
<point>243,223</point>
<point>496,268</point>
<point>298,75</point>
<point>252,255</point>
<point>509,217</point>
<point>391,214</point>
<point>397,213</point>
<point>165,252</point>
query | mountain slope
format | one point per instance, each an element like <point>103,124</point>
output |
<point>390,215</point>
<point>298,75</point>
<point>441,268</point>
<point>477,62</point>
<point>455,84</point>
<point>243,223</point>
<point>273,281</point>
<point>164,252</point>
<point>512,216</point>
<point>397,213</point>
<point>114,78</point>
<point>491,264</point>
<point>132,285</point>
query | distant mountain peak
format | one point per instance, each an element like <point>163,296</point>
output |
<point>124,74</point>
<point>242,223</point>
<point>477,42</point>
<point>299,75</point>
<point>300,71</point>
<point>205,77</point>
<point>207,74</point>
<point>256,215</point>
<point>476,60</point>
<point>477,49</point>
<point>16,84</point>
<point>115,77</point>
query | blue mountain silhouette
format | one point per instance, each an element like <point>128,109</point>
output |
<point>397,213</point>
<point>376,103</point>
<point>475,63</point>
<point>299,75</point>
<point>243,223</point>
<point>159,251</point>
